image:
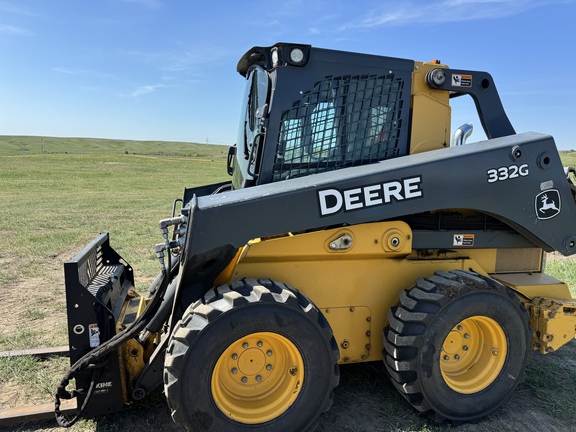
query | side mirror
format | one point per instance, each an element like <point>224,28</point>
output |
<point>230,161</point>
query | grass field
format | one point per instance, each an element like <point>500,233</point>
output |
<point>57,194</point>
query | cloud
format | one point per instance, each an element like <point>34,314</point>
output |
<point>65,70</point>
<point>19,10</point>
<point>79,71</point>
<point>442,11</point>
<point>14,30</point>
<point>186,61</point>
<point>145,89</point>
<point>152,4</point>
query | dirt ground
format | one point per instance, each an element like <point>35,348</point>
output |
<point>358,407</point>
<point>364,401</point>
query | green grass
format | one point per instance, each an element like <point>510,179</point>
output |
<point>565,270</point>
<point>568,157</point>
<point>29,145</point>
<point>552,379</point>
<point>54,204</point>
<point>20,338</point>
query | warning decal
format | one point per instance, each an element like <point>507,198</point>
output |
<point>94,335</point>
<point>461,80</point>
<point>463,240</point>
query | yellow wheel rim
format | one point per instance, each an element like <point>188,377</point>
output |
<point>257,378</point>
<point>473,354</point>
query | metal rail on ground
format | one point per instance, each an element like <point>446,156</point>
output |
<point>28,413</point>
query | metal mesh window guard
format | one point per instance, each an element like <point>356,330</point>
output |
<point>343,121</point>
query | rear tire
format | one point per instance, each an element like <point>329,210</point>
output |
<point>458,344</point>
<point>252,356</point>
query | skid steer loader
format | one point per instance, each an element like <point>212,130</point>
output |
<point>352,230</point>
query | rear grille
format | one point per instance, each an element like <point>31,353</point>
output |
<point>343,121</point>
<point>518,260</point>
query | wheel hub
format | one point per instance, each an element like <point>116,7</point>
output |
<point>251,361</point>
<point>473,354</point>
<point>257,378</point>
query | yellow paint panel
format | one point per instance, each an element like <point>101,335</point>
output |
<point>532,285</point>
<point>347,325</point>
<point>369,274</point>
<point>431,113</point>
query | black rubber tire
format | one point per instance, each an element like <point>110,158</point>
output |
<point>418,326</point>
<point>226,314</point>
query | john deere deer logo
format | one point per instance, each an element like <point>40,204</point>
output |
<point>547,204</point>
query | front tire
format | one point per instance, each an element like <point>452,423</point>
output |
<point>252,356</point>
<point>458,344</point>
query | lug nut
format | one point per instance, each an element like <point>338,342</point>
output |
<point>245,345</point>
<point>465,348</point>
<point>259,344</point>
<point>269,353</point>
<point>244,380</point>
<point>446,357</point>
<point>234,356</point>
<point>258,378</point>
<point>234,370</point>
<point>268,367</point>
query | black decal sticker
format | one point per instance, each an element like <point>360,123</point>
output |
<point>547,204</point>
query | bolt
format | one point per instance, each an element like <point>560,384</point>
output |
<point>465,348</point>
<point>245,345</point>
<point>368,333</point>
<point>293,371</point>
<point>466,336</point>
<point>268,367</point>
<point>269,353</point>
<point>258,378</point>
<point>234,370</point>
<point>494,352</point>
<point>234,356</point>
<point>259,344</point>
<point>457,357</point>
<point>138,393</point>
<point>244,380</point>
<point>446,357</point>
<point>459,328</point>
<point>368,319</point>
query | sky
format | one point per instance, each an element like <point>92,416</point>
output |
<point>166,69</point>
